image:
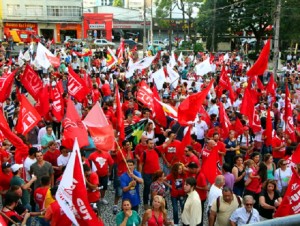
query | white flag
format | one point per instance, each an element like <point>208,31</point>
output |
<point>20,59</point>
<point>173,77</point>
<point>41,57</point>
<point>140,65</point>
<point>159,78</point>
<point>26,56</point>
<point>172,60</point>
<point>169,111</point>
<point>203,68</point>
<point>181,60</point>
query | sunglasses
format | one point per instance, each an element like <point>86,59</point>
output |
<point>248,204</point>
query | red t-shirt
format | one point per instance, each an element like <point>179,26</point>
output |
<point>139,149</point>
<point>151,161</point>
<point>197,147</point>
<point>221,148</point>
<point>171,151</point>
<point>40,195</point>
<point>102,161</point>
<point>122,168</point>
<point>211,132</point>
<point>254,185</point>
<point>52,157</point>
<point>276,142</point>
<point>57,216</point>
<point>192,158</point>
<point>93,195</point>
<point>177,185</point>
<point>205,153</point>
<point>5,180</point>
<point>201,182</point>
<point>106,90</point>
<point>3,154</point>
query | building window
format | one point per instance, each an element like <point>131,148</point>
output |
<point>34,10</point>
<point>64,11</point>
<point>13,10</point>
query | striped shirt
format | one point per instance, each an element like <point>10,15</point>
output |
<point>9,110</point>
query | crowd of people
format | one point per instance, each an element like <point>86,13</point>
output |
<point>150,177</point>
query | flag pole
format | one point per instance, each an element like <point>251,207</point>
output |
<point>8,218</point>
<point>123,157</point>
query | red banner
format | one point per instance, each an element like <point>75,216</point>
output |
<point>76,86</point>
<point>32,82</point>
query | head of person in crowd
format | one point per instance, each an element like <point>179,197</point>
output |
<point>220,181</point>
<point>6,167</point>
<point>226,168</point>
<point>282,164</point>
<point>189,150</point>
<point>146,113</point>
<point>268,158</point>
<point>279,133</point>
<point>149,127</point>
<point>49,130</point>
<point>11,200</point>
<point>270,186</point>
<point>158,176</point>
<point>39,157</point>
<point>159,204</point>
<point>255,156</point>
<point>171,135</point>
<point>126,205</point>
<point>189,185</point>
<point>52,145</point>
<point>227,194</point>
<point>150,144</point>
<point>17,190</point>
<point>17,169</point>
<point>177,169</point>
<point>63,150</point>
<point>32,151</point>
<point>249,163</point>
<point>211,144</point>
<point>126,145</point>
<point>246,130</point>
<point>238,160</point>
<point>216,137</point>
<point>193,167</point>
<point>248,202</point>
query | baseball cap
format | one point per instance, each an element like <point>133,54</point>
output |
<point>216,124</point>
<point>5,165</point>
<point>16,167</point>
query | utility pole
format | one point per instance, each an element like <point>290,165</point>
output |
<point>214,28</point>
<point>170,30</point>
<point>276,39</point>
<point>144,36</point>
<point>151,31</point>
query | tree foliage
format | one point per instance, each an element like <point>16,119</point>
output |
<point>118,3</point>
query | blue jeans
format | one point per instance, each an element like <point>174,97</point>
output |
<point>175,208</point>
<point>147,182</point>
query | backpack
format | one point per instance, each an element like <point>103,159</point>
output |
<point>241,137</point>
<point>218,202</point>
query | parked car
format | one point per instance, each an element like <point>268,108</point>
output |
<point>158,43</point>
<point>104,43</point>
<point>131,44</point>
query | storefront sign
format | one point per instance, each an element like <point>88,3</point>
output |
<point>21,25</point>
<point>129,25</point>
<point>96,26</point>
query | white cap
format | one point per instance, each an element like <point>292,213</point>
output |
<point>16,167</point>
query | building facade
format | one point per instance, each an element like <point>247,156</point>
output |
<point>50,18</point>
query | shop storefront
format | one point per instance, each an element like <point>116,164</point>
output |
<point>98,25</point>
<point>48,31</point>
<point>21,26</point>
<point>67,30</point>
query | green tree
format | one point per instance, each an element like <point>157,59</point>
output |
<point>289,23</point>
<point>118,3</point>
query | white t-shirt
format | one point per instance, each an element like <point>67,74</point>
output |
<point>200,128</point>
<point>282,177</point>
<point>27,163</point>
<point>213,194</point>
<point>63,160</point>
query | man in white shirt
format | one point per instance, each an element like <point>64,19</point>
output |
<point>29,161</point>
<point>246,214</point>
<point>192,210</point>
<point>63,159</point>
<point>215,191</point>
<point>200,128</point>
<point>214,109</point>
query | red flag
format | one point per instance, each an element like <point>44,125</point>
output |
<point>21,149</point>
<point>2,221</point>
<point>247,105</point>
<point>32,82</point>
<point>224,80</point>
<point>57,105</point>
<point>145,95</point>
<point>185,141</point>
<point>120,117</point>
<point>42,106</point>
<point>76,86</point>
<point>271,86</point>
<point>101,131</point>
<point>288,116</point>
<point>255,123</point>
<point>239,128</point>
<point>290,202</point>
<point>120,51</point>
<point>72,193</point>
<point>188,109</point>
<point>224,120</point>
<point>55,61</point>
<point>73,127</point>
<point>204,115</point>
<point>28,116</point>
<point>269,129</point>
<point>211,166</point>
<point>261,63</point>
<point>6,82</point>
<point>259,83</point>
<point>160,116</point>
